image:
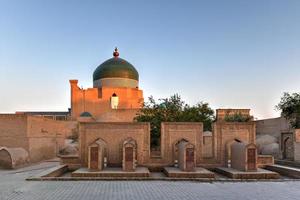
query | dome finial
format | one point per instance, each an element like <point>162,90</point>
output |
<point>116,53</point>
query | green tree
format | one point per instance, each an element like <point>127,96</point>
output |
<point>289,106</point>
<point>173,109</point>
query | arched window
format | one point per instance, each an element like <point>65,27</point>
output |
<point>114,101</point>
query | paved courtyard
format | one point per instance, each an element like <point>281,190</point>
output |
<point>13,186</point>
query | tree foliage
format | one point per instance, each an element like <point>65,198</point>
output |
<point>173,109</point>
<point>289,106</point>
<point>237,117</point>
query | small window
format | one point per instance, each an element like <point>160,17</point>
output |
<point>114,101</point>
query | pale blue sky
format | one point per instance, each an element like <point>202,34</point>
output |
<point>232,54</point>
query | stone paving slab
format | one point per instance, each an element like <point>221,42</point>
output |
<point>156,190</point>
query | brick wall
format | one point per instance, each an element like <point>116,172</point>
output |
<point>263,160</point>
<point>42,127</point>
<point>173,132</point>
<point>114,133</point>
<point>274,126</point>
<point>207,150</point>
<point>13,131</point>
<point>224,134</point>
<point>41,138</point>
<point>47,137</point>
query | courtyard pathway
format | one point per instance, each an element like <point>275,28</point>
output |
<point>13,186</point>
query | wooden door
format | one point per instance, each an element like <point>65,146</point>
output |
<point>251,159</point>
<point>129,158</point>
<point>94,158</point>
<point>190,157</point>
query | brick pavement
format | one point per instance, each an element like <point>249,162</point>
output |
<point>13,186</point>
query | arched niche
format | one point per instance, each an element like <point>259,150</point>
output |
<point>5,159</point>
<point>228,151</point>
<point>97,155</point>
<point>186,156</point>
<point>244,156</point>
<point>11,158</point>
<point>129,154</point>
<point>175,149</point>
<point>288,147</point>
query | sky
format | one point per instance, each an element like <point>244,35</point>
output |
<point>231,54</point>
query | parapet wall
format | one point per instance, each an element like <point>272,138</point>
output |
<point>222,113</point>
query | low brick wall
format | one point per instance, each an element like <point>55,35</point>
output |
<point>72,161</point>
<point>264,160</point>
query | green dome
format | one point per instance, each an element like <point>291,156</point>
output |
<point>116,68</point>
<point>85,114</point>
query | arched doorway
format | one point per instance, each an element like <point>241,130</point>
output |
<point>5,159</point>
<point>288,147</point>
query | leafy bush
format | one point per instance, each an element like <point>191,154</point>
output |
<point>289,106</point>
<point>237,117</point>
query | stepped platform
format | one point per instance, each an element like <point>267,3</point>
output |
<point>237,174</point>
<point>285,170</point>
<point>199,172</point>
<point>288,163</point>
<point>112,172</point>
